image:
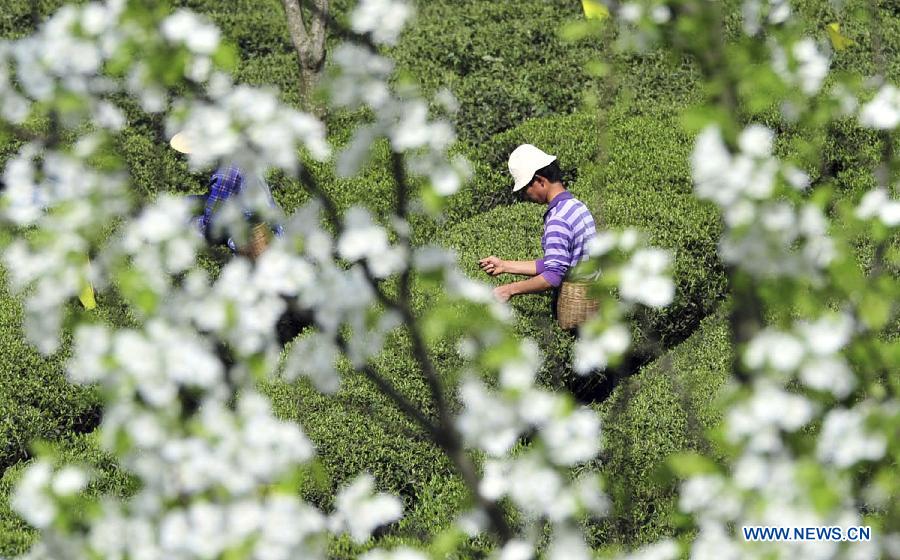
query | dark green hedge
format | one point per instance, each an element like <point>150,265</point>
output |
<point>666,408</point>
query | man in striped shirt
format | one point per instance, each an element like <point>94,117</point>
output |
<point>568,226</point>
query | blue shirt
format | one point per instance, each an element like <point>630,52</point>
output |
<point>223,184</point>
<point>568,226</point>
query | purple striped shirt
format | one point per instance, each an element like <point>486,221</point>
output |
<point>568,226</point>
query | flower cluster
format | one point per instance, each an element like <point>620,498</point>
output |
<point>806,68</point>
<point>383,19</point>
<point>493,420</point>
<point>883,111</point>
<point>362,79</point>
<point>61,195</point>
<point>762,234</point>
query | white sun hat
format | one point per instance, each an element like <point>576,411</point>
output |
<point>524,161</point>
<point>180,143</point>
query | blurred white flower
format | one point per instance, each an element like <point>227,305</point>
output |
<point>486,421</point>
<point>630,12</point>
<point>883,111</point>
<point>601,243</point>
<point>768,409</point>
<point>828,334</point>
<point>400,553</point>
<point>517,549</point>
<point>384,19</point>
<point>644,279</point>
<point>699,492</point>
<point>359,510</point>
<point>596,352</point>
<point>31,499</point>
<point>574,438</point>
<point>362,238</point>
<point>666,549</point>
<point>568,544</point>
<point>797,178</point>
<point>829,374</point>
<point>756,140</point>
<point>69,480</point>
<point>845,441</point>
<point>781,351</point>
<point>877,203</point>
<point>315,357</point>
<point>779,11</point>
<point>661,14</point>
<point>519,373</point>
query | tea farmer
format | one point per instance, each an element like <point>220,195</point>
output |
<point>568,226</point>
<point>224,183</point>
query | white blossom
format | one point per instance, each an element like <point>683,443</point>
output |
<point>568,544</point>
<point>595,352</point>
<point>69,480</point>
<point>360,511</point>
<point>845,441</point>
<point>828,374</point>
<point>661,14</point>
<point>779,11</point>
<point>384,19</point>
<point>401,553</point>
<point>574,438</point>
<point>630,12</point>
<point>756,140</point>
<point>770,348</point>
<point>517,549</point>
<point>644,279</point>
<point>31,498</point>
<point>883,111</point>
<point>601,243</point>
<point>486,420</point>
<point>877,203</point>
<point>666,549</point>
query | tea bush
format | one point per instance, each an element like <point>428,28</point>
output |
<point>665,408</point>
<point>36,401</point>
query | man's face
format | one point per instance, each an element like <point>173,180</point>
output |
<point>531,191</point>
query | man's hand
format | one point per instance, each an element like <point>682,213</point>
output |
<point>492,265</point>
<point>504,292</point>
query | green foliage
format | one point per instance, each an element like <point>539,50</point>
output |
<point>503,60</point>
<point>853,18</point>
<point>666,408</point>
<point>36,401</point>
<point>358,429</point>
<point>644,182</point>
<point>17,16</point>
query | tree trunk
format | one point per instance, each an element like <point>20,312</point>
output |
<point>309,42</point>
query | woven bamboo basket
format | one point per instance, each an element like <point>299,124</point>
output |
<point>574,307</point>
<point>259,240</point>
